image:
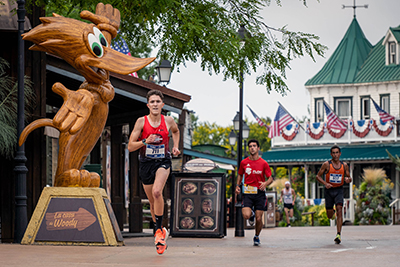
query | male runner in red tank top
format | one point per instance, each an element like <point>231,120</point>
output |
<point>150,135</point>
<point>333,174</point>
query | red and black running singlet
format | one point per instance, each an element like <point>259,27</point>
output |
<point>335,177</point>
<point>159,149</point>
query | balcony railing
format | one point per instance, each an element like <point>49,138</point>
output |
<point>362,131</point>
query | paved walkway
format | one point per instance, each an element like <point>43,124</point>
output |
<point>295,246</point>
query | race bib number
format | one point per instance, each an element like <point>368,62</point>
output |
<point>155,151</point>
<point>248,189</point>
<point>335,178</point>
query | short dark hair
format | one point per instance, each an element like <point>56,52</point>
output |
<point>335,146</point>
<point>155,92</point>
<point>253,141</point>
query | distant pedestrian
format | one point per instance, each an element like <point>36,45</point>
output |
<point>333,174</point>
<point>254,169</point>
<point>289,197</point>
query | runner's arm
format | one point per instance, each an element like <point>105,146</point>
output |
<point>347,177</point>
<point>294,196</point>
<point>173,127</point>
<point>134,143</point>
<point>238,183</point>
<point>321,172</point>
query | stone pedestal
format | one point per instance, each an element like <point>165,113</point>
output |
<point>73,216</point>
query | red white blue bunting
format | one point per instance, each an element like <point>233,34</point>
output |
<point>336,133</point>
<point>315,130</point>
<point>383,128</point>
<point>290,131</point>
<point>361,128</point>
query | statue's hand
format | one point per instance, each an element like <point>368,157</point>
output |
<point>106,18</point>
<point>75,111</point>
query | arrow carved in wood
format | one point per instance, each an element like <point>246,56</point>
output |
<point>62,220</point>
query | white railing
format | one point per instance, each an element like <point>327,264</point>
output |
<point>395,203</point>
<point>350,136</point>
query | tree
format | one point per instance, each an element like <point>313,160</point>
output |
<point>191,30</point>
<point>8,110</point>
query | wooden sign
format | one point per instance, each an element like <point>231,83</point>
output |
<point>70,219</point>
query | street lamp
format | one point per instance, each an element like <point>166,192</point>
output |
<point>239,229</point>
<point>164,71</point>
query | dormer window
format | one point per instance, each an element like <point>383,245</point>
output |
<point>392,52</point>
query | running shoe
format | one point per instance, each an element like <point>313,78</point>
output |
<point>160,240</point>
<point>252,217</point>
<point>256,240</point>
<point>338,239</point>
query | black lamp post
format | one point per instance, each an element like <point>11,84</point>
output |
<point>164,71</point>
<point>21,215</point>
<point>246,132</point>
<point>239,229</point>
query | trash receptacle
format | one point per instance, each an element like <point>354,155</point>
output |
<point>269,213</point>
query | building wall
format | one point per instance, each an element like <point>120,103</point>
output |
<point>355,91</point>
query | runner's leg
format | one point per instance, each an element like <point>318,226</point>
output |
<point>157,192</point>
<point>246,212</point>
<point>259,224</point>
<point>339,218</point>
<point>287,215</point>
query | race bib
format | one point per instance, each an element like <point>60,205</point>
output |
<point>248,189</point>
<point>335,178</point>
<point>155,151</point>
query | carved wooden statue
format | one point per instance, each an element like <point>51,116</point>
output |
<point>83,115</point>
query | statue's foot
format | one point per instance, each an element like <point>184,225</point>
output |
<point>78,178</point>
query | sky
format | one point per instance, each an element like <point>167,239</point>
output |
<point>217,101</point>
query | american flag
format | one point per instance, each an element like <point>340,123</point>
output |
<point>260,122</point>
<point>333,121</point>
<point>121,46</point>
<point>282,119</point>
<point>382,114</point>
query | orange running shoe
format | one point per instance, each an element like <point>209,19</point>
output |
<point>160,240</point>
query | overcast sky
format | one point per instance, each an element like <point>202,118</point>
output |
<point>215,100</point>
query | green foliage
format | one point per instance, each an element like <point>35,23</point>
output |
<point>320,217</point>
<point>373,199</point>
<point>191,30</point>
<point>8,110</point>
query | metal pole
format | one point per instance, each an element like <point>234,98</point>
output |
<point>239,231</point>
<point>21,215</point>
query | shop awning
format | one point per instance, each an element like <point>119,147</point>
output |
<point>222,162</point>
<point>319,154</point>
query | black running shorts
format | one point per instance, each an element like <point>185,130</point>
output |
<point>333,196</point>
<point>289,206</point>
<point>255,200</point>
<point>148,169</point>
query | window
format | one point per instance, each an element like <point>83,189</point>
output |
<point>319,109</point>
<point>385,101</point>
<point>392,52</point>
<point>343,107</point>
<point>365,108</point>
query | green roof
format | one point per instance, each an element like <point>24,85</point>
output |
<point>347,60</point>
<point>396,33</point>
<point>319,154</point>
<point>375,68</point>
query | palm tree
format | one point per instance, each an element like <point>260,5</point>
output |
<point>8,109</point>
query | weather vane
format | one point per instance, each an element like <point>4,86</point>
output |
<point>354,7</point>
